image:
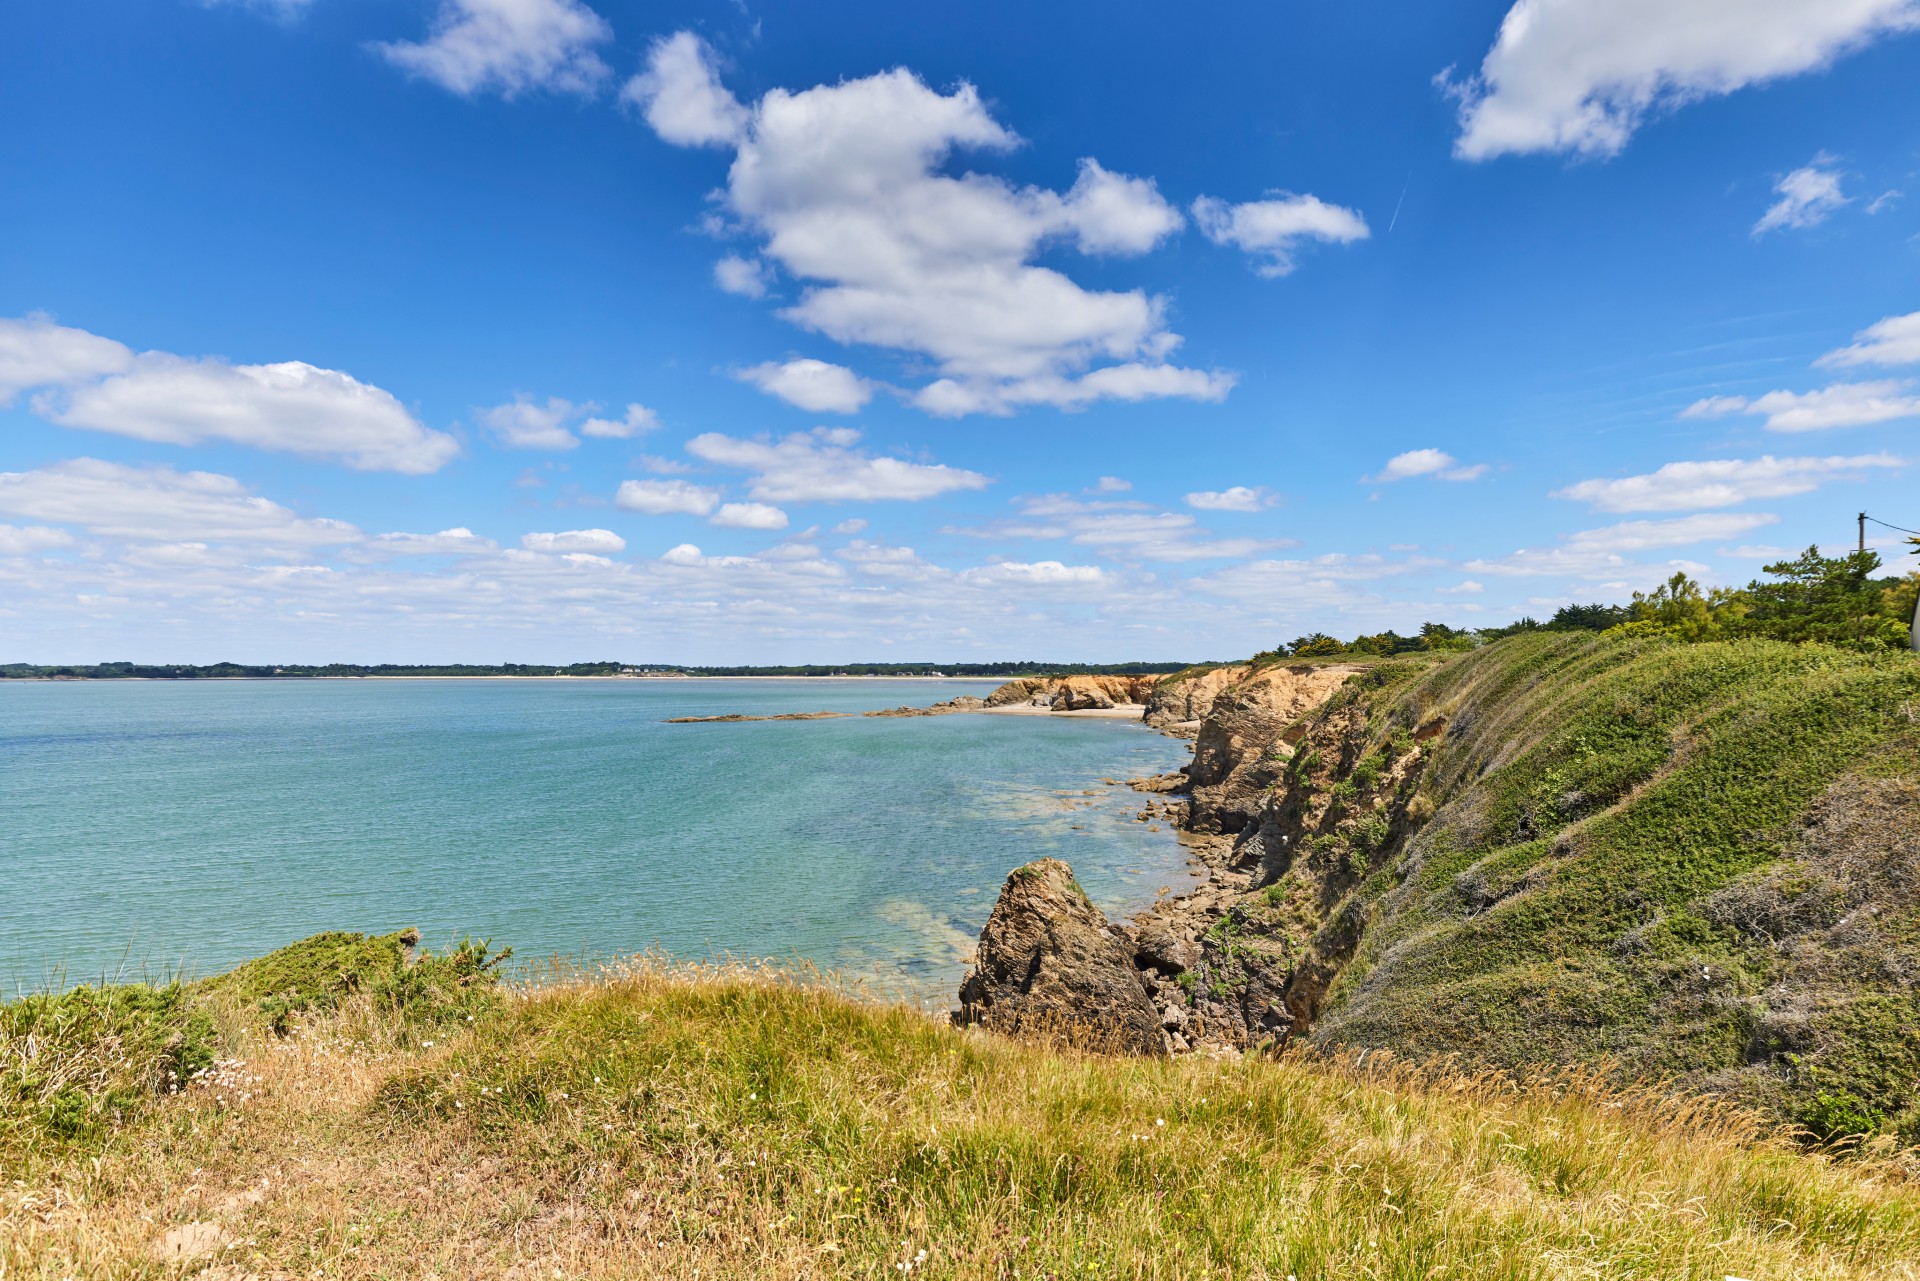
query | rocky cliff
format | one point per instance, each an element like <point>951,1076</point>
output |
<point>1050,965</point>
<point>1178,703</point>
<point>1692,862</point>
<point>1247,736</point>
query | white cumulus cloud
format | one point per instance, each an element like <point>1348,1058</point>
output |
<point>1239,498</point>
<point>592,541</point>
<point>666,498</point>
<point>509,47</point>
<point>1808,196</point>
<point>637,421</point>
<point>844,186</point>
<point>681,96</point>
<point>290,406</point>
<point>812,385</point>
<point>1039,573</point>
<point>1840,405</point>
<point>746,277</point>
<point>1333,583</point>
<point>1720,482</point>
<point>1892,341</point>
<point>22,540</point>
<point>1271,230</point>
<point>1604,553</point>
<point>1131,382</point>
<point>527,424</point>
<point>1112,213</point>
<point>160,504</point>
<point>1425,462</point>
<point>1580,76</point>
<point>35,352</point>
<point>458,541</point>
<point>749,516</point>
<point>1640,535</point>
<point>823,466</point>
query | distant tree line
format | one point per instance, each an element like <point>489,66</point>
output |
<point>1830,600</point>
<point>216,671</point>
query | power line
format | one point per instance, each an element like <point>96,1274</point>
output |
<point>1876,520</point>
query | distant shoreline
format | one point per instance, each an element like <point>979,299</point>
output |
<point>637,680</point>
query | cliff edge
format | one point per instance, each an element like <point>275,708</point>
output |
<point>1688,862</point>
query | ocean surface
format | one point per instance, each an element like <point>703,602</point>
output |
<point>151,828</point>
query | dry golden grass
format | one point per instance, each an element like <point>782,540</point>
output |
<point>651,1121</point>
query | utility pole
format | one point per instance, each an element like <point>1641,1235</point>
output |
<point>1863,531</point>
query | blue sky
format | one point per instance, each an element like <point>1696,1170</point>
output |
<point>552,329</point>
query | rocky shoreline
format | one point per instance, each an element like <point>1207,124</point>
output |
<point>1213,969</point>
<point>1197,972</point>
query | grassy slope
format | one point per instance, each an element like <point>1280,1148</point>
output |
<point>1622,868</point>
<point>641,1122</point>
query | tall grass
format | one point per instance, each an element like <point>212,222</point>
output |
<point>651,1120</point>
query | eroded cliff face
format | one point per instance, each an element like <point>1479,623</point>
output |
<point>1247,736</point>
<point>1180,702</point>
<point>1245,960</point>
<point>1074,693</point>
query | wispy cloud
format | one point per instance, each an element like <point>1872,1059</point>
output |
<point>1808,197</point>
<point>1721,482</point>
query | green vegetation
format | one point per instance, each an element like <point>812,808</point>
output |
<point>1694,860</point>
<point>644,1121</point>
<point>75,1066</point>
<point>1830,600</point>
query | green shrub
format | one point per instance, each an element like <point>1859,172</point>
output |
<point>1371,833</point>
<point>76,1065</point>
<point>1832,1117</point>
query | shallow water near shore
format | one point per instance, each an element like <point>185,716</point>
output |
<point>154,827</point>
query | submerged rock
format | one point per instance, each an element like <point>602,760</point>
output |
<point>734,717</point>
<point>1051,965</point>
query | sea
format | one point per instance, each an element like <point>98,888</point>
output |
<point>153,829</point>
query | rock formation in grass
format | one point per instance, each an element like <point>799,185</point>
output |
<point>1051,965</point>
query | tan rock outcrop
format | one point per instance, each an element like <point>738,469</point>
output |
<point>1244,743</point>
<point>1021,689</point>
<point>1050,965</point>
<point>1074,693</point>
<point>1186,699</point>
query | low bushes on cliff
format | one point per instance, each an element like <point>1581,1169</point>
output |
<point>1694,860</point>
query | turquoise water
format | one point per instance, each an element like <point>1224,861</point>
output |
<point>147,827</point>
